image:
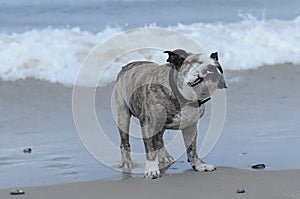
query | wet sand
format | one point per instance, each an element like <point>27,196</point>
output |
<point>222,183</point>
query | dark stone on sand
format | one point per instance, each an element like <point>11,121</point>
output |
<point>240,190</point>
<point>17,192</point>
<point>259,166</point>
<point>27,150</point>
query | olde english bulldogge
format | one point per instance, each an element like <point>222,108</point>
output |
<point>169,96</point>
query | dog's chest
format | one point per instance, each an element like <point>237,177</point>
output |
<point>187,116</point>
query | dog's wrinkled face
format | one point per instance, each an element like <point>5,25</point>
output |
<point>203,73</point>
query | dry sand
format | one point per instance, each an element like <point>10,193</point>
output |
<point>262,122</point>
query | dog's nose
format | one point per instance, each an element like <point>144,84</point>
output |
<point>222,83</point>
<point>221,86</point>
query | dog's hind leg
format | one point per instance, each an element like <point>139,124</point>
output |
<point>123,126</point>
<point>190,140</point>
<point>163,155</point>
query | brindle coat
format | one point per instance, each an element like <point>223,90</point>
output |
<point>143,90</point>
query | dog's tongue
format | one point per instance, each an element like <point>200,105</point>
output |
<point>199,79</point>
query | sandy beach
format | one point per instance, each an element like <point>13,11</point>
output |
<point>220,184</point>
<point>263,110</point>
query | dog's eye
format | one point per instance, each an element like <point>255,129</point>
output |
<point>197,62</point>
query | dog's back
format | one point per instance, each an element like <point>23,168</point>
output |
<point>132,67</point>
<point>139,73</point>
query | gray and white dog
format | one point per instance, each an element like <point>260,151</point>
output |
<point>169,96</point>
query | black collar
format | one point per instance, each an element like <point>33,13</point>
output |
<point>179,96</point>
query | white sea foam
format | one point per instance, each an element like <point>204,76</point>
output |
<point>55,55</point>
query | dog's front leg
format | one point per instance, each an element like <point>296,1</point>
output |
<point>190,140</point>
<point>151,167</point>
<point>149,135</point>
<point>152,130</point>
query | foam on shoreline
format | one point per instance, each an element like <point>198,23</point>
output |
<point>55,55</point>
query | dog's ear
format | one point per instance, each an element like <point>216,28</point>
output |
<point>214,56</point>
<point>176,57</point>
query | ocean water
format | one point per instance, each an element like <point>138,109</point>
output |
<point>48,40</point>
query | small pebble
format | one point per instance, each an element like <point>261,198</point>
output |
<point>240,190</point>
<point>17,192</point>
<point>258,166</point>
<point>27,150</point>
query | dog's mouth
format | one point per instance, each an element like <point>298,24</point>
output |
<point>197,81</point>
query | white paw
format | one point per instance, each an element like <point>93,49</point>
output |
<point>152,169</point>
<point>202,167</point>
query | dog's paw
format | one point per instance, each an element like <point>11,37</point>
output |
<point>152,170</point>
<point>127,164</point>
<point>202,167</point>
<point>165,157</point>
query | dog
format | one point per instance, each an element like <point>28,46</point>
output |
<point>169,96</point>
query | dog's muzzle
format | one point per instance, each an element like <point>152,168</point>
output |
<point>196,82</point>
<point>215,77</point>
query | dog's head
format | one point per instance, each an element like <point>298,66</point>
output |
<point>202,73</point>
<point>177,57</point>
